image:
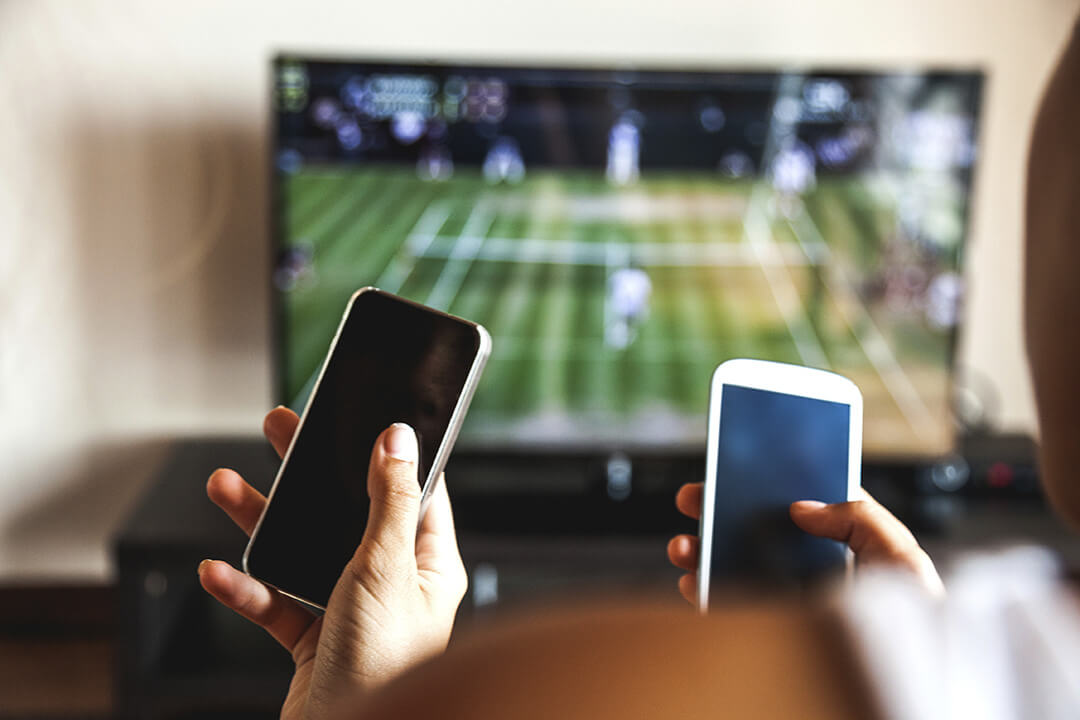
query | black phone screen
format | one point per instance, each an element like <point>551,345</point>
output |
<point>774,449</point>
<point>393,361</point>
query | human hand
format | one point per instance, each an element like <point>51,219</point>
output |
<point>873,533</point>
<point>392,607</point>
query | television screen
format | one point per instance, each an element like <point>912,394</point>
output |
<point>621,232</point>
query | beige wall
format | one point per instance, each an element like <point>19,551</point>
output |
<point>133,201</point>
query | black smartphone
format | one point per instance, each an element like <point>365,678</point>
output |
<point>392,360</point>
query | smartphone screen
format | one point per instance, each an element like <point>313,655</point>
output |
<point>393,361</point>
<point>773,449</point>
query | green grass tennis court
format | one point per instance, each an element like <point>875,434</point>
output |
<point>734,272</point>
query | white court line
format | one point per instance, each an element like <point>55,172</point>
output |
<point>398,271</point>
<point>817,251</point>
<point>427,227</point>
<point>461,256</point>
<point>420,237</point>
<point>656,254</point>
<point>325,220</point>
<point>757,233</point>
<point>584,346</point>
<point>872,341</point>
<point>608,264</point>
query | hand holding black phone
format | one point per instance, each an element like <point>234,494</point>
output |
<point>391,361</point>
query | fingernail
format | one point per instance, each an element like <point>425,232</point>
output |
<point>203,565</point>
<point>400,443</point>
<point>810,504</point>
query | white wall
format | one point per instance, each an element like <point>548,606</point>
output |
<point>133,201</point>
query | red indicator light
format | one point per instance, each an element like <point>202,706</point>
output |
<point>1000,475</point>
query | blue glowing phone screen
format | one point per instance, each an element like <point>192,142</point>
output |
<point>774,449</point>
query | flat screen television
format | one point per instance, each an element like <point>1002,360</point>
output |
<point>623,231</point>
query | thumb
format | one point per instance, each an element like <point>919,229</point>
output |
<point>395,498</point>
<point>868,528</point>
<point>872,532</point>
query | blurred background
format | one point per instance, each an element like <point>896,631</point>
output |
<point>156,242</point>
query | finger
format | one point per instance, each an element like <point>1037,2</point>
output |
<point>870,530</point>
<point>279,426</point>
<point>688,588</point>
<point>436,541</point>
<point>873,533</point>
<point>689,498</point>
<point>682,550</point>
<point>241,502</point>
<point>438,558</point>
<point>438,521</point>
<point>390,537</point>
<point>282,617</point>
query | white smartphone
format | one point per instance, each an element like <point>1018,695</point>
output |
<point>392,360</point>
<point>777,433</point>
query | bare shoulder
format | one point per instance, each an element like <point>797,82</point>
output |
<point>619,661</point>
